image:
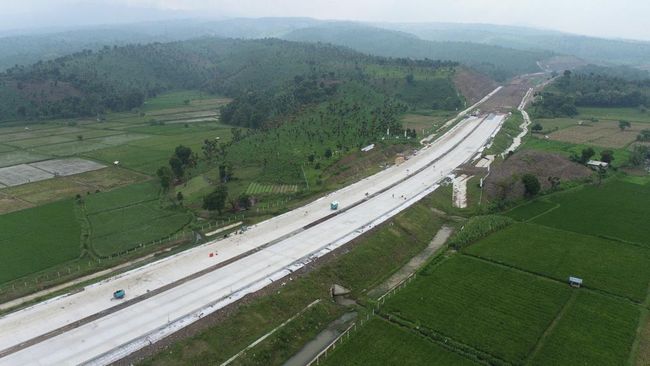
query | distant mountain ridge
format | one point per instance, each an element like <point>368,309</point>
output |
<point>498,62</point>
<point>499,51</point>
<point>592,49</point>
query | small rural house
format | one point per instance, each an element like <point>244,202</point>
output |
<point>596,164</point>
<point>575,281</point>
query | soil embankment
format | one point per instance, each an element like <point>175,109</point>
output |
<point>504,180</point>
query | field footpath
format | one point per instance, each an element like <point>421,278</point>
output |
<point>414,264</point>
<point>558,317</point>
<point>548,278</point>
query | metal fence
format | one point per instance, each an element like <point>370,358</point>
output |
<point>343,337</point>
<point>399,286</point>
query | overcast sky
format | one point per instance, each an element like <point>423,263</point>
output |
<point>607,18</point>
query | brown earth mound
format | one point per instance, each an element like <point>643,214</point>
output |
<point>472,85</point>
<point>504,181</point>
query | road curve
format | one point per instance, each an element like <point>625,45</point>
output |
<point>86,327</point>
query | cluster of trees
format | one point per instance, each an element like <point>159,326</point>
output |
<point>219,199</point>
<point>591,90</point>
<point>588,153</point>
<point>644,136</point>
<point>640,155</point>
<point>551,105</point>
<point>254,109</point>
<point>598,90</point>
<point>531,185</point>
<point>182,159</point>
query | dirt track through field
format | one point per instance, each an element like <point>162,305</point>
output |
<point>414,264</point>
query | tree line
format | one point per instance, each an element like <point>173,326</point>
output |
<point>573,90</point>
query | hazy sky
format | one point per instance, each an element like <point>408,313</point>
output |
<point>609,18</point>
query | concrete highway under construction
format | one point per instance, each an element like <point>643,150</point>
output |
<point>90,327</point>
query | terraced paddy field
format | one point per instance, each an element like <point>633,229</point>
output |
<point>258,188</point>
<point>615,114</point>
<point>531,210</point>
<point>384,343</point>
<point>127,227</point>
<point>593,330</point>
<point>127,217</point>
<point>133,194</point>
<point>605,265</point>
<point>118,206</point>
<point>616,209</point>
<point>494,310</point>
<point>505,298</point>
<point>16,157</point>
<point>69,186</point>
<point>51,238</point>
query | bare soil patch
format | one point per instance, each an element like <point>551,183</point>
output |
<point>504,180</point>
<point>9,204</point>
<point>507,98</point>
<point>603,133</point>
<point>64,167</point>
<point>423,124</point>
<point>472,85</point>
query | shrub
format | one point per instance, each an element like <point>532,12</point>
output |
<point>531,184</point>
<point>478,227</point>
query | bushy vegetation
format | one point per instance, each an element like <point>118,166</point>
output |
<point>315,138</point>
<point>478,227</point>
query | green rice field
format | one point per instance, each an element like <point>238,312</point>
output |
<point>493,309</point>
<point>258,188</point>
<point>606,265</point>
<point>37,238</point>
<point>384,343</point>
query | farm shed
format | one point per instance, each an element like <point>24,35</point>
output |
<point>595,164</point>
<point>575,281</point>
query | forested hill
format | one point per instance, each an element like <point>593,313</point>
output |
<point>278,74</point>
<point>498,62</point>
